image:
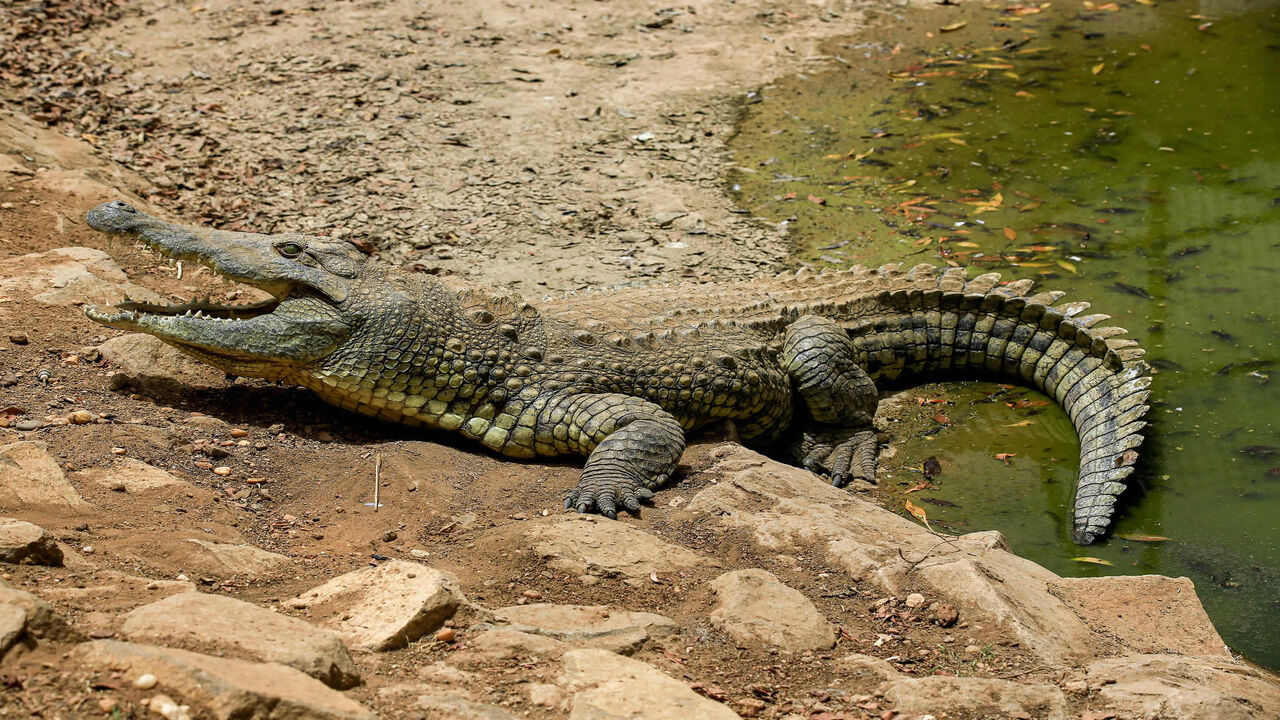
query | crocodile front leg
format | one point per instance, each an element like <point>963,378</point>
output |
<point>841,399</point>
<point>632,447</point>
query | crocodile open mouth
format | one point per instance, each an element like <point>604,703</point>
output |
<point>197,309</point>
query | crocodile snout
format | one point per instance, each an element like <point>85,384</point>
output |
<point>114,216</point>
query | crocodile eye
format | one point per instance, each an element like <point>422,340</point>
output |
<point>290,250</point>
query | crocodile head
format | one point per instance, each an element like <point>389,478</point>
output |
<point>311,281</point>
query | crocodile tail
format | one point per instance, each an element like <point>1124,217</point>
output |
<point>934,321</point>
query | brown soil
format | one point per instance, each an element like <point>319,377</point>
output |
<point>497,143</point>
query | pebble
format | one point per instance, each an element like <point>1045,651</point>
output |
<point>18,339</point>
<point>80,417</point>
<point>108,704</point>
<point>972,649</point>
<point>28,424</point>
<point>239,433</point>
<point>532,594</point>
<point>118,451</point>
<point>419,553</point>
<point>389,536</point>
<point>446,634</point>
<point>915,600</point>
<point>87,549</point>
<point>945,614</point>
<point>145,681</point>
<point>222,470</point>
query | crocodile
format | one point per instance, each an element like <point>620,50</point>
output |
<point>621,375</point>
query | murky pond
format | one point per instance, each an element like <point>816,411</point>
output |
<point>1128,153</point>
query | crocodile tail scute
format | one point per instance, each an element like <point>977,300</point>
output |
<point>942,320</point>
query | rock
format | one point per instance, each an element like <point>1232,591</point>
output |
<point>621,631</point>
<point>385,607</point>
<point>129,475</point>
<point>226,626</point>
<point>589,544</point>
<point>70,276</point>
<point>755,608</point>
<point>1147,614</point>
<point>29,475</point>
<point>144,362</point>
<point>505,643</point>
<point>26,620</point>
<point>914,600</point>
<point>860,667</point>
<point>975,697</point>
<point>545,694</point>
<point>134,436</point>
<point>228,688</point>
<point>224,560</point>
<point>787,509</point>
<point>1186,688</point>
<point>22,542</point>
<point>453,707</point>
<point>604,686</point>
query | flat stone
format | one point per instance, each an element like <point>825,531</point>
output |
<point>129,475</point>
<point>1146,613</point>
<point>384,607</point>
<point>608,686</point>
<point>755,608</point>
<point>975,697</point>
<point>228,688</point>
<point>70,276</point>
<point>501,643</point>
<point>205,557</point>
<point>144,362</point>
<point>26,620</point>
<point>1187,688</point>
<point>453,707</point>
<point>865,668</point>
<point>29,475</point>
<point>23,542</point>
<point>621,631</point>
<point>226,626</point>
<point>588,544</point>
<point>788,510</point>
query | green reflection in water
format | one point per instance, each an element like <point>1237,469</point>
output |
<point>1130,157</point>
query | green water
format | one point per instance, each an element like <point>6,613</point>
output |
<point>1130,157</point>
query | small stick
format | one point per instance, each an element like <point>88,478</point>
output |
<point>377,480</point>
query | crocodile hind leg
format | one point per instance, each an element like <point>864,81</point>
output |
<point>632,447</point>
<point>841,399</point>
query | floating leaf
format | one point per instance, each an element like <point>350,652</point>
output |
<point>1098,68</point>
<point>817,200</point>
<point>919,513</point>
<point>953,26</point>
<point>1141,537</point>
<point>941,419</point>
<point>967,244</point>
<point>1024,93</point>
<point>1094,560</point>
<point>957,141</point>
<point>1004,457</point>
<point>1021,423</point>
<point>1067,265</point>
<point>1011,233</point>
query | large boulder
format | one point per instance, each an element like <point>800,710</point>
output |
<point>607,686</point>
<point>755,608</point>
<point>29,475</point>
<point>23,542</point>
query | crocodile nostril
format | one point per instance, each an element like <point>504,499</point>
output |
<point>122,205</point>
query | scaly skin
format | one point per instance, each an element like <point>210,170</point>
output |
<point>620,376</point>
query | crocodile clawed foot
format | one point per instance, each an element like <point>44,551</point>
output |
<point>842,455</point>
<point>608,495</point>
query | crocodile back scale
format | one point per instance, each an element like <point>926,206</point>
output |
<point>621,375</point>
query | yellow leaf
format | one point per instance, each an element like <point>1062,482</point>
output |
<point>967,244</point>
<point>953,26</point>
<point>1142,538</point>
<point>1021,423</point>
<point>1066,265</point>
<point>1098,68</point>
<point>1011,233</point>
<point>993,66</point>
<point>936,136</point>
<point>957,141</point>
<point>1094,560</point>
<point>919,513</point>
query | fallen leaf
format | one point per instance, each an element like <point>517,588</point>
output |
<point>1004,457</point>
<point>941,419</point>
<point>1142,538</point>
<point>922,485</point>
<point>1093,560</point>
<point>919,513</point>
<point>957,141</point>
<point>953,26</point>
<point>817,200</point>
<point>1067,265</point>
<point>1098,68</point>
<point>1021,423</point>
<point>1011,233</point>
